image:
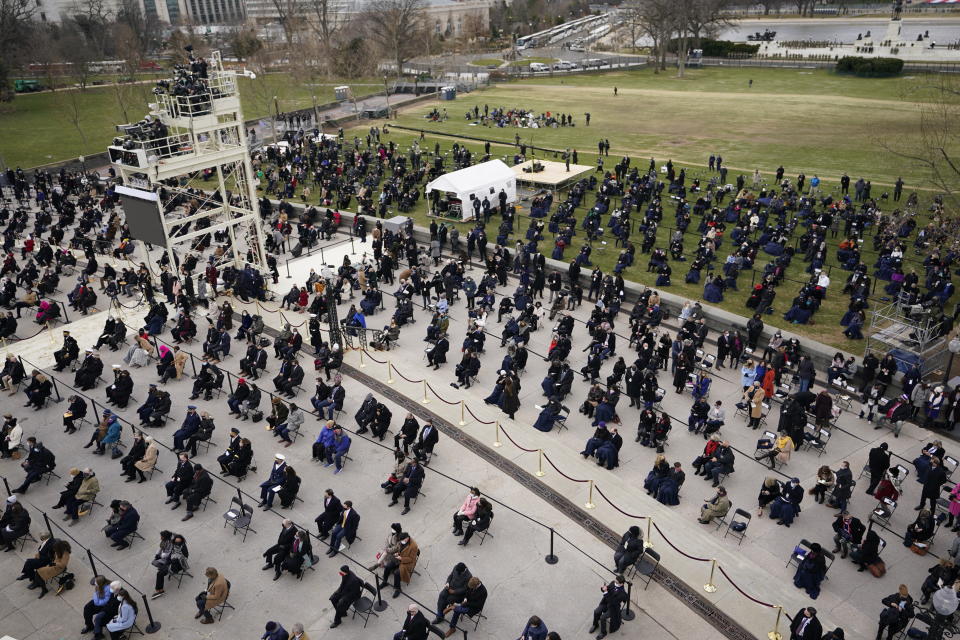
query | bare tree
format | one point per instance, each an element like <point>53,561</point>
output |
<point>75,49</point>
<point>395,26</point>
<point>632,13</point>
<point>770,5</point>
<point>244,43</point>
<point>289,13</point>
<point>935,147</point>
<point>326,23</point>
<point>93,19</point>
<point>71,107</point>
<point>707,15</point>
<point>15,26</point>
<point>657,19</point>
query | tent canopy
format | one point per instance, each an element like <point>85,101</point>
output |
<point>481,180</point>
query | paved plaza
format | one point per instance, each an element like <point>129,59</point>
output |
<point>510,562</point>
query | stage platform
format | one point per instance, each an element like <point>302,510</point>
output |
<point>554,175</point>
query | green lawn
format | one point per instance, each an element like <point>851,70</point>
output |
<point>826,328</point>
<point>36,129</point>
<point>810,121</point>
<point>784,119</point>
<point>486,62</point>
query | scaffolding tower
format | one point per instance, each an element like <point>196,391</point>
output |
<point>910,332</point>
<point>186,170</point>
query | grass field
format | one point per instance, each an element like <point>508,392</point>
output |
<point>36,128</point>
<point>810,121</point>
<point>484,62</point>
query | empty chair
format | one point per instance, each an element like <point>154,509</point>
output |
<point>738,525</point>
<point>239,516</point>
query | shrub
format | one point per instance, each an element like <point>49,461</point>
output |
<point>869,67</point>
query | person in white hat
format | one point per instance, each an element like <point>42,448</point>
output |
<point>269,488</point>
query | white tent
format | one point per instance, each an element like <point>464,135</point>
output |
<point>482,180</point>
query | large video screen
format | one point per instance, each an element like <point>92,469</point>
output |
<point>142,209</point>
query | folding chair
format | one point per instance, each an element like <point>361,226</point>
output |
<point>725,519</point>
<point>476,618</point>
<point>782,391</point>
<point>884,510</point>
<point>646,566</point>
<point>561,419</point>
<point>219,609</point>
<point>364,605</point>
<point>950,465</point>
<point>819,444</point>
<point>132,537</point>
<point>798,553</point>
<point>239,516</point>
<point>740,517</point>
<point>178,576</point>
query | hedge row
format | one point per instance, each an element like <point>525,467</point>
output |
<point>871,67</point>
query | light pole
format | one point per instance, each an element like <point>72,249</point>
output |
<point>276,117</point>
<point>954,347</point>
<point>386,95</point>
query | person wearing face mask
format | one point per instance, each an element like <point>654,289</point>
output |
<point>349,591</point>
<point>466,511</point>
<point>406,562</point>
<point>787,505</point>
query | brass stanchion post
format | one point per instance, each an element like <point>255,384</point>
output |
<point>462,420</point>
<point>425,400</point>
<point>389,372</point>
<point>496,441</point>
<point>710,587</point>
<point>590,504</point>
<point>775,634</point>
<point>50,333</point>
<point>362,366</point>
<point>648,542</point>
<point>540,472</point>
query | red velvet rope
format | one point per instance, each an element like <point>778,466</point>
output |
<point>675,548</point>
<point>742,592</point>
<point>397,371</point>
<point>287,320</point>
<point>435,393</point>
<point>475,416</point>
<point>367,353</point>
<point>557,469</point>
<point>629,515</point>
<point>261,306</point>
<point>516,445</point>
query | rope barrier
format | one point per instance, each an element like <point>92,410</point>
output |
<point>437,394</point>
<point>287,321</point>
<point>555,468</point>
<point>28,337</point>
<point>367,353</point>
<point>397,371</point>
<point>476,418</point>
<point>742,592</point>
<point>610,502</point>
<point>134,305</point>
<point>676,548</point>
<point>504,431</point>
<point>264,308</point>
